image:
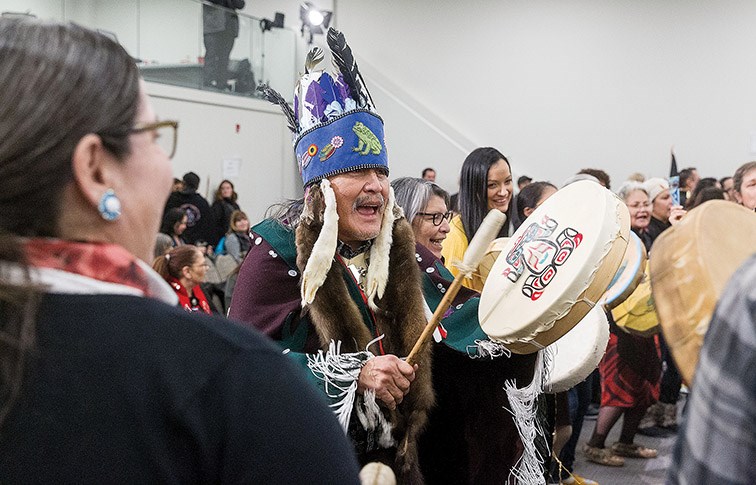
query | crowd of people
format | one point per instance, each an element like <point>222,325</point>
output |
<point>219,232</point>
<point>135,369</point>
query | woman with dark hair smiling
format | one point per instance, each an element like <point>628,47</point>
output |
<point>102,378</point>
<point>485,184</point>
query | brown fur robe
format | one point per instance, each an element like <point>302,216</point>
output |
<point>400,316</point>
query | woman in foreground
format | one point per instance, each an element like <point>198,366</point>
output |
<point>103,379</point>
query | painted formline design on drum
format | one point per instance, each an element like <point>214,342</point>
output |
<point>524,325</point>
<point>540,255</point>
<point>608,252</point>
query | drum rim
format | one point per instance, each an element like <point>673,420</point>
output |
<point>598,346</point>
<point>632,284</point>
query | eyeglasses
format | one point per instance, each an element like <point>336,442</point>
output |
<point>437,217</point>
<point>166,141</point>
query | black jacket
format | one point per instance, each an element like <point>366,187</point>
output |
<point>121,389</point>
<point>200,225</point>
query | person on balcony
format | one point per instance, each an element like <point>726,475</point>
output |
<point>220,28</point>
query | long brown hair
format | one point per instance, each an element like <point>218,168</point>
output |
<point>219,196</point>
<point>58,83</point>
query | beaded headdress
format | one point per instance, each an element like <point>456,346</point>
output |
<point>336,130</point>
<point>335,125</point>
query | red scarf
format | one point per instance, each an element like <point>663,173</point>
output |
<point>105,262</point>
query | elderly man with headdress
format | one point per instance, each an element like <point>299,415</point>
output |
<point>334,278</point>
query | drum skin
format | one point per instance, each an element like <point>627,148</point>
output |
<point>628,276</point>
<point>555,268</point>
<point>690,265</point>
<point>579,351</point>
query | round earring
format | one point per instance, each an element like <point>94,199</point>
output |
<point>110,206</point>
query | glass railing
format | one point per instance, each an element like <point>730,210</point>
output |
<point>170,40</point>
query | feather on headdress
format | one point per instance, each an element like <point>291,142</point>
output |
<point>334,121</point>
<point>272,95</point>
<point>347,66</point>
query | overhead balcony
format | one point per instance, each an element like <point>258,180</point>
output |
<point>168,39</point>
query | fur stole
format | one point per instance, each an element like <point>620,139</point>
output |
<point>399,316</point>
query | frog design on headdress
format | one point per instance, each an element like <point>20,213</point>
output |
<point>369,143</point>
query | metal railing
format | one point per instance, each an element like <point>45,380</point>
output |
<point>168,38</point>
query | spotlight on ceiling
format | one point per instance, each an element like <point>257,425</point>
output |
<point>314,20</point>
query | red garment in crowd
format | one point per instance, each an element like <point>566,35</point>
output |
<point>195,303</point>
<point>630,371</point>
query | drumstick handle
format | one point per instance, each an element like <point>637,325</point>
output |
<point>486,233</point>
<point>437,315</point>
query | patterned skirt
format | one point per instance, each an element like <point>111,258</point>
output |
<point>630,371</point>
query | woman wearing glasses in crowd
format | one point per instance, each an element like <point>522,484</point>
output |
<point>425,205</point>
<point>470,438</point>
<point>485,184</point>
<point>630,370</point>
<point>102,378</point>
<point>184,268</point>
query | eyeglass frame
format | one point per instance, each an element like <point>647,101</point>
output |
<point>142,127</point>
<point>445,216</point>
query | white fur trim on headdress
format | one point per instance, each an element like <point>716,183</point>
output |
<point>378,269</point>
<point>320,261</point>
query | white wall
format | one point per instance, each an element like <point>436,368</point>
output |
<point>556,85</point>
<point>562,85</point>
<point>208,134</point>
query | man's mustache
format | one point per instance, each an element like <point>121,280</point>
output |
<point>370,200</point>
